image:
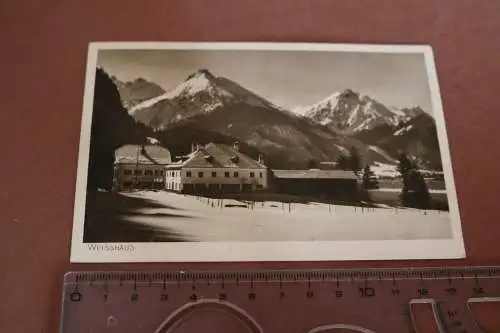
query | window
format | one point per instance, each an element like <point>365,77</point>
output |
<point>259,186</point>
<point>137,172</point>
<point>252,174</point>
<point>236,174</point>
<point>226,174</point>
<point>200,174</point>
<point>214,174</point>
<point>148,172</point>
<point>260,174</point>
<point>127,172</point>
<point>188,173</point>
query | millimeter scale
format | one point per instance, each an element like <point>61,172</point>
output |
<point>451,300</point>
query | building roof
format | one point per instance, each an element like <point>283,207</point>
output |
<point>216,155</point>
<point>142,154</point>
<point>314,174</point>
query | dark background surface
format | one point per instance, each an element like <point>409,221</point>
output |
<point>43,58</point>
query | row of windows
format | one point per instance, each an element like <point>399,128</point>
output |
<point>140,172</point>
<point>226,174</point>
<point>142,184</point>
<point>175,186</point>
<point>236,187</point>
<point>201,174</point>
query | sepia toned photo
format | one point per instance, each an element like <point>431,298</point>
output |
<point>263,151</point>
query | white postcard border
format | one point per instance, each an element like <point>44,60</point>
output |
<point>452,248</point>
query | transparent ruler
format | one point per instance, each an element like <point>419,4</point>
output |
<point>462,299</point>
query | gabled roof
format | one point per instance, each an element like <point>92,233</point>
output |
<point>216,155</point>
<point>142,154</point>
<point>314,174</point>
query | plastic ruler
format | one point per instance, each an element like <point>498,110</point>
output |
<point>305,301</point>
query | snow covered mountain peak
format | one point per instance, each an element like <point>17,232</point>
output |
<point>350,112</point>
<point>200,86</point>
<point>201,80</point>
<point>202,73</point>
<point>201,92</point>
<point>348,93</point>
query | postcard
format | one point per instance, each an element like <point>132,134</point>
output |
<point>196,152</point>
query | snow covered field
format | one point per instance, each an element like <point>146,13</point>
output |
<point>385,170</point>
<point>397,190</point>
<point>207,220</point>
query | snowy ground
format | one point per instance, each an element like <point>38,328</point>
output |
<point>202,219</point>
<point>382,189</point>
<point>385,170</point>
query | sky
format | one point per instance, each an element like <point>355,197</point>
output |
<point>286,78</point>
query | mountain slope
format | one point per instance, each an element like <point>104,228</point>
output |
<point>136,91</point>
<point>417,138</point>
<point>348,112</point>
<point>285,139</point>
<point>387,131</point>
<point>201,92</point>
<point>209,108</point>
<point>218,108</point>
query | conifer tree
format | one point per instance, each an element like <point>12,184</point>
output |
<point>343,162</point>
<point>370,181</point>
<point>414,192</point>
<point>355,160</point>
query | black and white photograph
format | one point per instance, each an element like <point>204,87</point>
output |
<point>263,151</point>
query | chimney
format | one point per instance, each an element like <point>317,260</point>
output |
<point>236,146</point>
<point>195,146</point>
<point>261,158</point>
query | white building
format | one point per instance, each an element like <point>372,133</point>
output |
<point>216,168</point>
<point>140,166</point>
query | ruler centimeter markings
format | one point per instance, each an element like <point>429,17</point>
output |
<point>308,301</point>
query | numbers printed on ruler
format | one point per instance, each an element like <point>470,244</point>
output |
<point>75,296</point>
<point>423,292</point>
<point>367,291</point>
<point>256,299</point>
